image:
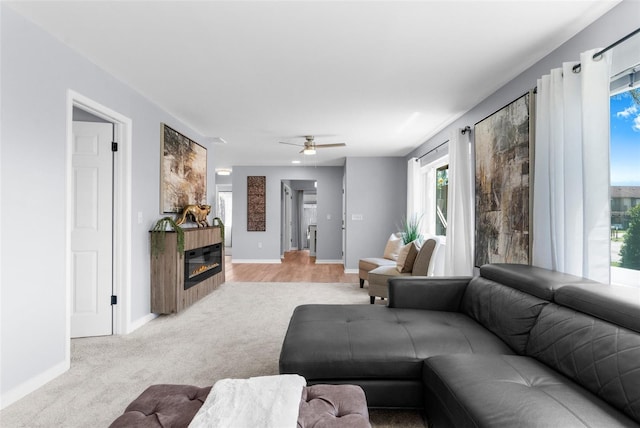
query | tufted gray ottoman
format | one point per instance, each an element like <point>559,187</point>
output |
<point>174,406</point>
<point>333,406</point>
<point>163,406</point>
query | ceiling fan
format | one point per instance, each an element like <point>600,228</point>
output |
<point>310,146</point>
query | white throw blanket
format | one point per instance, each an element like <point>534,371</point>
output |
<point>267,401</point>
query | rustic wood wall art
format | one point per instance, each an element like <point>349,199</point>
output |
<point>502,153</point>
<point>256,203</point>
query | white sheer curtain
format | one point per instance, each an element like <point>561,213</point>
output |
<point>458,257</point>
<point>414,189</point>
<point>571,218</point>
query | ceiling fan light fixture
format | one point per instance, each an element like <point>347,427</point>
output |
<point>309,151</point>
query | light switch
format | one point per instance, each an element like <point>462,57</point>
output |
<point>139,217</point>
<point>356,217</point>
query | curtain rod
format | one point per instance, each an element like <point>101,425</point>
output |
<point>576,68</point>
<point>462,131</point>
<point>432,150</point>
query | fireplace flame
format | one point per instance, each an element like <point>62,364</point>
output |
<point>203,269</point>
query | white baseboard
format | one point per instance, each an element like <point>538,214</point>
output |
<point>351,271</point>
<point>140,322</point>
<point>256,261</point>
<point>32,384</point>
<point>328,262</point>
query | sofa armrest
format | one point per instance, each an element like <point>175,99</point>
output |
<point>429,293</point>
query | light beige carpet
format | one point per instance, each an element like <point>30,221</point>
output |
<point>235,332</point>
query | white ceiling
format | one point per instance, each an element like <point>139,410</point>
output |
<point>381,76</point>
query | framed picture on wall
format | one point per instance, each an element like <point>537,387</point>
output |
<point>183,171</point>
<point>256,203</point>
<point>503,148</point>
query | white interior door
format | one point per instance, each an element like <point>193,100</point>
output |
<point>91,230</point>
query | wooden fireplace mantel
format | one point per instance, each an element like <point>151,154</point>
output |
<point>167,271</point>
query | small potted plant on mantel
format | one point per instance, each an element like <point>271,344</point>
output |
<point>158,232</point>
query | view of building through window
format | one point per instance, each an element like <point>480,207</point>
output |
<point>625,179</point>
<point>442,189</point>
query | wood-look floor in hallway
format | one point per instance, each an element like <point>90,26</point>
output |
<point>296,266</point>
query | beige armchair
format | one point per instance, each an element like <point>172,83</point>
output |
<point>422,265</point>
<point>389,258</point>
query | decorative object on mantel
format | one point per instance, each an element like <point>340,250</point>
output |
<point>158,232</point>
<point>502,152</point>
<point>183,167</point>
<point>217,221</point>
<point>256,203</point>
<point>198,213</point>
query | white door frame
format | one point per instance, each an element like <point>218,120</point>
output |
<point>121,212</point>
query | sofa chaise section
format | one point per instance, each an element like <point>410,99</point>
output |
<point>581,368</point>
<point>382,349</point>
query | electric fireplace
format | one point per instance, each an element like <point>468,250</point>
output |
<point>201,263</point>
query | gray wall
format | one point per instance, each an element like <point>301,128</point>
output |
<point>245,243</point>
<point>376,189</point>
<point>37,71</point>
<point>617,23</point>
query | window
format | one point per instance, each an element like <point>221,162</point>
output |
<point>442,190</point>
<point>435,185</point>
<point>625,186</point>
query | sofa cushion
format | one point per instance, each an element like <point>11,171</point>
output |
<point>600,356</point>
<point>507,312</point>
<point>370,263</point>
<point>616,304</point>
<point>381,274</point>
<point>376,342</point>
<point>393,246</point>
<point>407,256</point>
<point>423,258</point>
<point>509,391</point>
<point>533,280</point>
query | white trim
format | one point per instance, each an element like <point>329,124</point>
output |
<point>122,211</point>
<point>140,322</point>
<point>623,276</point>
<point>30,385</point>
<point>428,172</point>
<point>277,261</point>
<point>329,262</point>
<point>351,271</point>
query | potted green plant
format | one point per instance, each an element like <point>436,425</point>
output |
<point>158,232</point>
<point>217,221</point>
<point>410,229</point>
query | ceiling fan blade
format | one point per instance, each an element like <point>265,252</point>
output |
<point>330,145</point>
<point>291,144</point>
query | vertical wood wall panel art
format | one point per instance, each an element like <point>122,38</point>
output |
<point>256,203</point>
<point>502,153</point>
<point>183,177</point>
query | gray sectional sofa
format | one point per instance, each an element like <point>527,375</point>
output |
<point>514,346</point>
